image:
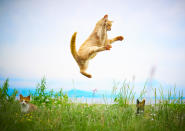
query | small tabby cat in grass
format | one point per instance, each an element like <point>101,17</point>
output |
<point>25,105</point>
<point>97,41</point>
<point>140,106</point>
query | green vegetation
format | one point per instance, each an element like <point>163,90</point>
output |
<point>4,97</point>
<point>56,112</point>
<point>41,96</point>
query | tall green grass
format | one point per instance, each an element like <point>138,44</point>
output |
<point>56,112</point>
<point>48,98</point>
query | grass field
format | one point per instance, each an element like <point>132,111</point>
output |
<point>56,112</point>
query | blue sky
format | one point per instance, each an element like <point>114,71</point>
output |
<point>35,37</point>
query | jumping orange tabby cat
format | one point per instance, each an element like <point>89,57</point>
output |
<point>96,42</point>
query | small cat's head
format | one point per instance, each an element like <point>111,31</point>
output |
<point>141,103</point>
<point>24,100</point>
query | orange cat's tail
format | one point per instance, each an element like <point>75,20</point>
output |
<point>73,46</point>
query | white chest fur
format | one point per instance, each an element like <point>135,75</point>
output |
<point>25,108</point>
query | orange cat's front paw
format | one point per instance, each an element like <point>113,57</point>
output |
<point>108,47</point>
<point>120,38</point>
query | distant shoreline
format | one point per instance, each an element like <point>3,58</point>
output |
<point>80,96</point>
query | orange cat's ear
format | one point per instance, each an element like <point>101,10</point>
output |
<point>21,96</point>
<point>105,16</point>
<point>28,97</point>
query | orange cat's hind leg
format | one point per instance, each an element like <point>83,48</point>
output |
<point>85,74</point>
<point>83,69</point>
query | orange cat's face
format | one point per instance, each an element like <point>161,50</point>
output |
<point>108,25</point>
<point>105,22</point>
<point>24,100</point>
